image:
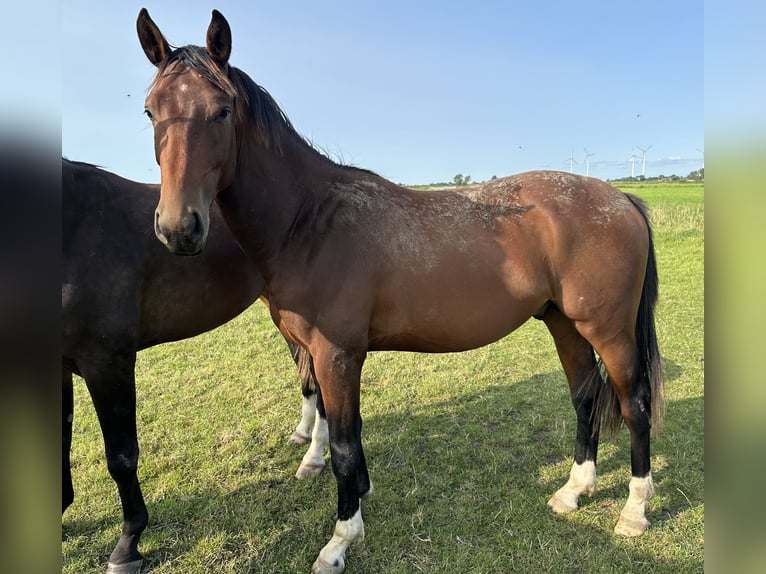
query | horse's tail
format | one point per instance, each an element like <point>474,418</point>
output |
<point>650,361</point>
<point>305,368</point>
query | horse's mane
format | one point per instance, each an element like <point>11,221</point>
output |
<point>269,125</point>
<point>76,163</point>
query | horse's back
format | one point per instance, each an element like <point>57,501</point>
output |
<point>504,250</point>
<point>102,256</point>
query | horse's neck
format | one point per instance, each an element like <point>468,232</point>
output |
<point>270,189</point>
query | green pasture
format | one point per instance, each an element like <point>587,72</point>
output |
<point>464,450</point>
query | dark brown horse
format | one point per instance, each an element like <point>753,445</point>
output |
<point>123,292</point>
<point>355,263</point>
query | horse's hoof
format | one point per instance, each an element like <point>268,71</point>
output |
<point>309,470</point>
<point>561,506</point>
<point>322,567</point>
<point>631,527</point>
<point>125,568</point>
<point>299,438</point>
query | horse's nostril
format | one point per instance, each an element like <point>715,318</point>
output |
<point>158,229</point>
<point>198,231</point>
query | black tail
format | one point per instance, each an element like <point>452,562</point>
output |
<point>650,361</point>
<point>305,368</point>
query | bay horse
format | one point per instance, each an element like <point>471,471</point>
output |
<point>123,292</point>
<point>354,263</point>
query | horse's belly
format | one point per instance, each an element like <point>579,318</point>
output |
<point>449,324</point>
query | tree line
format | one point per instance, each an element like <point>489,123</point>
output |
<point>461,180</point>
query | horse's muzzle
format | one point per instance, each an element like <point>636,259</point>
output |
<point>186,237</point>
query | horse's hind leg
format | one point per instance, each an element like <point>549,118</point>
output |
<point>313,462</point>
<point>313,426</point>
<point>302,433</point>
<point>579,363</point>
<point>112,387</point>
<point>620,358</point>
<point>67,410</point>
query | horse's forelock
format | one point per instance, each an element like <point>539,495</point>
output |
<point>253,104</point>
<point>197,59</point>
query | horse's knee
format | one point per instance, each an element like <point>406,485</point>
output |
<point>345,460</point>
<point>123,465</point>
<point>349,468</point>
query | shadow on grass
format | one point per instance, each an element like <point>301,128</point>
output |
<point>461,486</point>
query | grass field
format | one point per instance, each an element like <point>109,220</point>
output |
<point>464,451</point>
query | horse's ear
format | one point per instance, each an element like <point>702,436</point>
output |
<point>219,39</point>
<point>155,45</point>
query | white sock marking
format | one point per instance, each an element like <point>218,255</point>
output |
<point>308,415</point>
<point>320,438</point>
<point>582,480</point>
<point>633,517</point>
<point>347,532</point>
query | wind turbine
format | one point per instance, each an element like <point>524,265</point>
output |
<point>643,159</point>
<point>571,161</point>
<point>587,160</point>
<point>633,157</point>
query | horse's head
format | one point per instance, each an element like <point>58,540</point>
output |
<point>191,105</point>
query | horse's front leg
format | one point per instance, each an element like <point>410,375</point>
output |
<point>338,373</point>
<point>112,387</point>
<point>67,411</point>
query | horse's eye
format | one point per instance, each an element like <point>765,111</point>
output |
<point>149,114</point>
<point>224,113</point>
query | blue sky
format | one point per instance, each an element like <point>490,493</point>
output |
<point>417,91</point>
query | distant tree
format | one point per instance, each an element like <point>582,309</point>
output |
<point>460,180</point>
<point>493,177</point>
<point>698,174</point>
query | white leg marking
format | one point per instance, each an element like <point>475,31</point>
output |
<point>369,492</point>
<point>632,520</point>
<point>302,434</point>
<point>313,461</point>
<point>582,480</point>
<point>331,559</point>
